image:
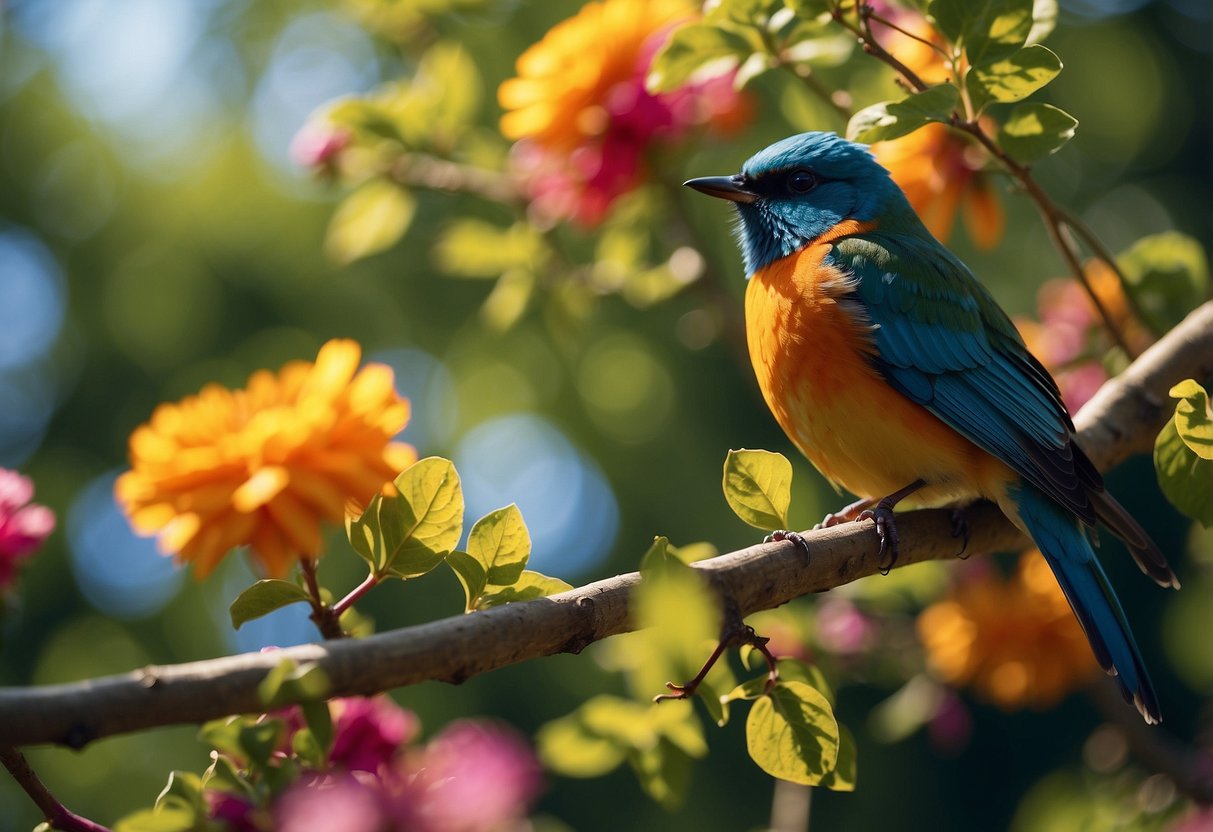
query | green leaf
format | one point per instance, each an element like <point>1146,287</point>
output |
<point>477,249</point>
<point>1033,131</point>
<point>568,746</point>
<point>258,740</point>
<point>410,533</point>
<point>222,775</point>
<point>690,49</point>
<point>714,702</point>
<point>471,575</point>
<point>987,30</point>
<point>288,683</point>
<point>664,772</point>
<point>1167,275</point>
<point>758,487</point>
<point>893,119</point>
<point>1044,20</point>
<point>184,788</point>
<point>997,28</point>
<point>843,777</point>
<point>790,670</point>
<point>792,734</point>
<point>175,819</point>
<point>660,558</point>
<point>264,597</point>
<point>529,586</point>
<point>305,746</point>
<point>1012,78</point>
<point>320,722</point>
<point>508,300</point>
<point>369,220</point>
<point>1194,418</point>
<point>500,543</point>
<point>1184,476</point>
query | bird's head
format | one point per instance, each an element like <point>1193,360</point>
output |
<point>798,189</point>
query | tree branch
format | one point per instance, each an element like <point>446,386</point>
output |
<point>1122,419</point>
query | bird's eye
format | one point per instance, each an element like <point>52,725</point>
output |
<point>801,181</point>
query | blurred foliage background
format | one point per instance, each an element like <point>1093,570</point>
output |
<point>156,235</point>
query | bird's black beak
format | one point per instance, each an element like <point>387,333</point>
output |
<point>731,188</point>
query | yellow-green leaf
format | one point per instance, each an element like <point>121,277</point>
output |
<point>758,487</point>
<point>1184,477</point>
<point>369,220</point>
<point>500,542</point>
<point>893,119</point>
<point>664,772</point>
<point>529,586</point>
<point>570,747</point>
<point>471,575</point>
<point>1012,78</point>
<point>843,777</point>
<point>422,523</point>
<point>1167,274</point>
<point>1194,417</point>
<point>1033,131</point>
<point>792,734</point>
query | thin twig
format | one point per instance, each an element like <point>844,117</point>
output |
<point>56,814</point>
<point>1121,419</point>
<point>323,616</point>
<point>1056,220</point>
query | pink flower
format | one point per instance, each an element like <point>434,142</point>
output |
<point>23,525</point>
<point>317,145</point>
<point>579,150</point>
<point>841,628</point>
<point>474,777</point>
<point>368,732</point>
<point>324,804</point>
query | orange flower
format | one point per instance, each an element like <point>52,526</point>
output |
<point>1016,641</point>
<point>942,173</point>
<point>264,465</point>
<point>559,98</point>
<point>584,119</point>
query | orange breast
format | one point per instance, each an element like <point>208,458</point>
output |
<point>810,355</point>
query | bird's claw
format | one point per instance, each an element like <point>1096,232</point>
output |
<point>886,528</point>
<point>783,534</point>
<point>960,528</point>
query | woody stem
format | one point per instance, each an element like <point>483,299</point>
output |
<point>56,814</point>
<point>324,616</point>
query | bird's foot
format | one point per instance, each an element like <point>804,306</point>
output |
<point>783,534</point>
<point>960,528</point>
<point>886,527</point>
<point>845,514</point>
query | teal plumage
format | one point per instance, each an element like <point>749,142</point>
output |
<point>839,261</point>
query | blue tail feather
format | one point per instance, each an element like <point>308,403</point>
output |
<point>1063,541</point>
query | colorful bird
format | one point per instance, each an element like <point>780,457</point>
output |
<point>897,374</point>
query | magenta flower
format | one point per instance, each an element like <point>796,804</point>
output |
<point>233,813</point>
<point>23,525</point>
<point>338,803</point>
<point>591,147</point>
<point>369,732</point>
<point>473,777</point>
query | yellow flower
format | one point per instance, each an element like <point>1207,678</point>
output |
<point>263,466</point>
<point>560,96</point>
<point>1016,641</point>
<point>942,173</point>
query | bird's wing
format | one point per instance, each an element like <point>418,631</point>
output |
<point>942,341</point>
